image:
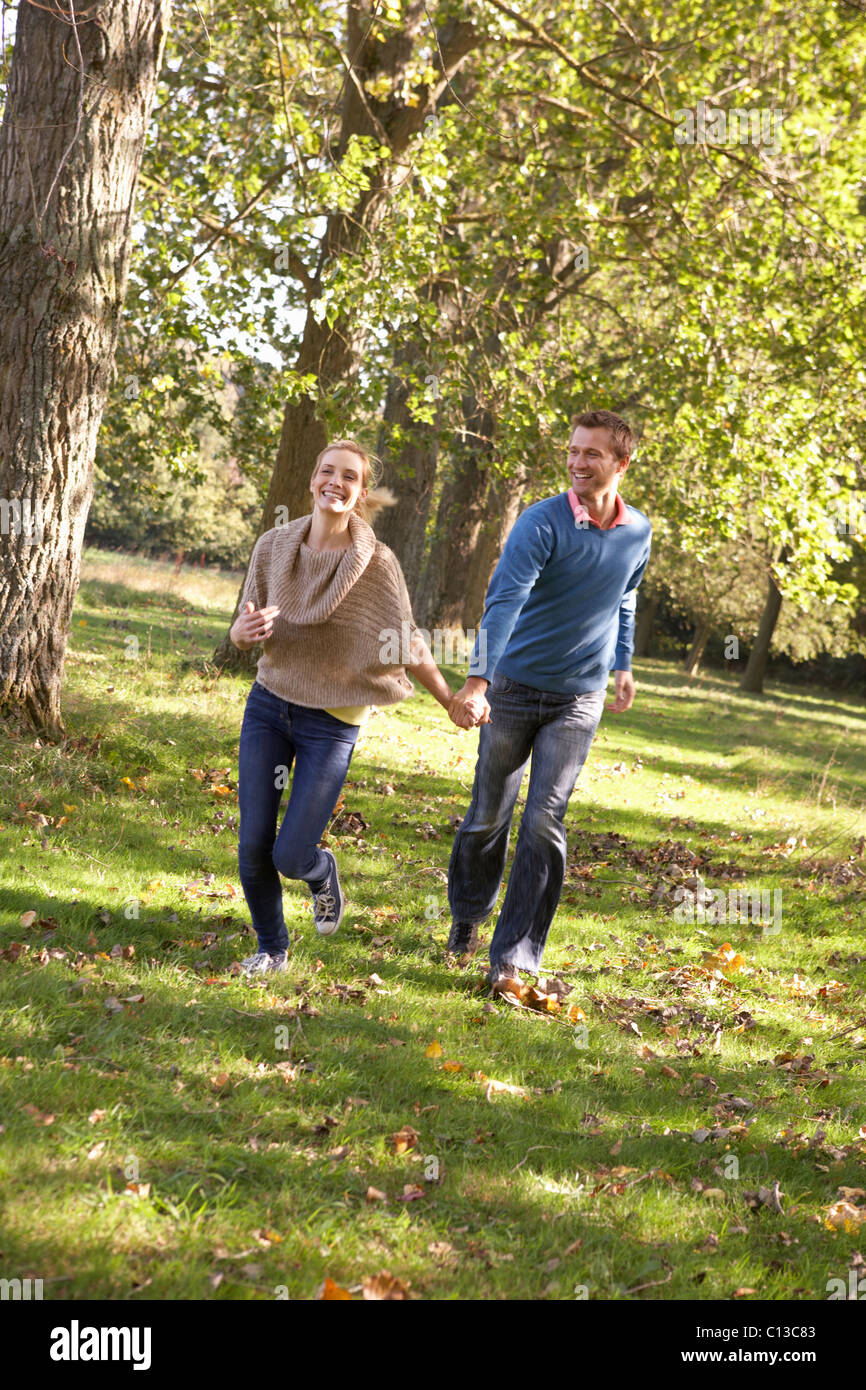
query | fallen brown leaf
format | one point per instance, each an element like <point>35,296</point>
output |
<point>40,1117</point>
<point>404,1139</point>
<point>384,1286</point>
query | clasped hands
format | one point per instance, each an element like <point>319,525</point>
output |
<point>469,706</point>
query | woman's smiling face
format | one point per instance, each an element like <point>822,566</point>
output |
<point>338,482</point>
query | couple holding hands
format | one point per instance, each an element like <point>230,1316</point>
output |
<point>322,594</point>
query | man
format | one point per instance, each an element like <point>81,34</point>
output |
<point>558,615</point>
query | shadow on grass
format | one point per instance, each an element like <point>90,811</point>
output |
<point>194,1147</point>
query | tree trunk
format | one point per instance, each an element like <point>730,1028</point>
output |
<point>409,464</point>
<point>753,676</point>
<point>476,509</point>
<point>644,624</point>
<point>441,597</point>
<point>81,89</point>
<point>696,650</point>
<point>504,499</point>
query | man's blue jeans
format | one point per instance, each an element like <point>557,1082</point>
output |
<point>557,730</point>
<point>275,734</point>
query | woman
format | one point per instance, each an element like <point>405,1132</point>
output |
<point>328,600</point>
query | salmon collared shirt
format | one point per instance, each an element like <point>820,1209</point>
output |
<point>582,516</point>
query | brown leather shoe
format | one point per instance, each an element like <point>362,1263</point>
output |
<point>504,978</point>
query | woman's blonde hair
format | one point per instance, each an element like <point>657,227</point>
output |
<point>377,497</point>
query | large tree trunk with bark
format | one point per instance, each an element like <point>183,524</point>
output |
<point>503,505</point>
<point>477,508</point>
<point>81,87</point>
<point>645,623</point>
<point>756,667</point>
<point>409,450</point>
<point>462,511</point>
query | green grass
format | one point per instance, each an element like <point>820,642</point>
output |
<point>217,1141</point>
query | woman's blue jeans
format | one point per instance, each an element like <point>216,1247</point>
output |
<point>275,735</point>
<point>557,730</point>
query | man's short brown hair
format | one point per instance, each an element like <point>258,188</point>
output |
<point>622,438</point>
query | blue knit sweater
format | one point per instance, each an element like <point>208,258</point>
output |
<point>559,610</point>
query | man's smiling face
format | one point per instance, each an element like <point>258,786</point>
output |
<point>592,465</point>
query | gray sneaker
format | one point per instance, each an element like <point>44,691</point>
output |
<point>257,964</point>
<point>263,961</point>
<point>328,902</point>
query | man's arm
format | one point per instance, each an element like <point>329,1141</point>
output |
<point>625,635</point>
<point>523,557</point>
<point>624,687</point>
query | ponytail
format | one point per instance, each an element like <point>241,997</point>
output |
<point>368,507</point>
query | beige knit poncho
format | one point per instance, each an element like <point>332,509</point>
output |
<point>340,612</point>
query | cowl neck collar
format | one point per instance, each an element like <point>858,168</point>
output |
<point>307,585</point>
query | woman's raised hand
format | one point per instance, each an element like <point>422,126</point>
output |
<point>253,625</point>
